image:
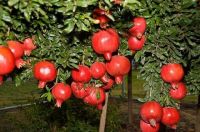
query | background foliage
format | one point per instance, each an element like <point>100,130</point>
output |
<point>63,30</point>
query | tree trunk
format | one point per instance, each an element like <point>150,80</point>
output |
<point>103,115</point>
<point>130,107</point>
<point>198,105</point>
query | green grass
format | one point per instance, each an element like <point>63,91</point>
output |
<point>137,86</point>
<point>12,95</point>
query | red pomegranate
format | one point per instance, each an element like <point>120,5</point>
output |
<point>18,52</point>
<point>28,46</point>
<point>172,72</point>
<point>98,70</point>
<point>79,90</point>
<point>170,117</point>
<point>135,44</point>
<point>151,112</point>
<point>178,90</point>
<point>82,74</point>
<point>95,97</point>
<point>7,60</point>
<point>44,71</point>
<point>100,15</point>
<point>105,42</point>
<point>1,80</point>
<point>118,67</point>
<point>139,27</point>
<point>61,92</point>
<point>146,127</point>
<point>108,85</point>
<point>99,106</point>
<point>117,2</point>
<point>105,78</point>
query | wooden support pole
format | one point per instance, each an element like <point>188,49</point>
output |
<point>103,115</point>
<point>130,106</point>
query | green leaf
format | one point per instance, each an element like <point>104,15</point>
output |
<point>70,25</point>
<point>12,2</point>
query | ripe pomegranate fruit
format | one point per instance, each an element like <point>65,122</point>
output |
<point>172,72</point>
<point>100,15</point>
<point>135,44</point>
<point>61,92</point>
<point>44,71</point>
<point>170,117</point>
<point>139,27</point>
<point>151,112</point>
<point>95,97</point>
<point>99,106</point>
<point>98,70</point>
<point>28,46</point>
<point>108,85</point>
<point>79,90</point>
<point>18,51</point>
<point>82,74</point>
<point>146,127</point>
<point>105,78</point>
<point>117,2</point>
<point>178,90</point>
<point>105,42</point>
<point>118,67</point>
<point>7,60</point>
<point>1,80</point>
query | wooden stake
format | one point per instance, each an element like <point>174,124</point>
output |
<point>130,106</point>
<point>103,115</point>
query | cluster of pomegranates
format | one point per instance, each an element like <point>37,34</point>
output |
<point>152,113</point>
<point>11,55</point>
<point>173,73</point>
<point>137,38</point>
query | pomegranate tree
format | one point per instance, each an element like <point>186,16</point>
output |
<point>170,117</point>
<point>105,42</point>
<point>151,112</point>
<point>61,92</point>
<point>44,71</point>
<point>118,67</point>
<point>172,72</point>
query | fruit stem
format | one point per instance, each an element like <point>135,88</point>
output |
<point>57,76</point>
